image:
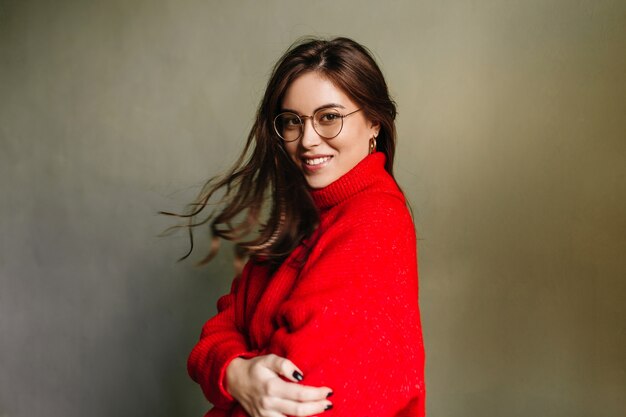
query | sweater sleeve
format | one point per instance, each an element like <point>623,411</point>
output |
<point>352,322</point>
<point>220,342</point>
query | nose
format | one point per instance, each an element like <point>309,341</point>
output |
<point>310,137</point>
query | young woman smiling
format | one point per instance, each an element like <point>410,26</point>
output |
<point>327,303</point>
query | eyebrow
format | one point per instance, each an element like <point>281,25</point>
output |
<point>325,106</point>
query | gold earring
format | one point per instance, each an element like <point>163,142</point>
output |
<point>372,144</point>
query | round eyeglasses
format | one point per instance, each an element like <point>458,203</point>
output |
<point>327,122</point>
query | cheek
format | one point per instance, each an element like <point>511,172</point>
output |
<point>355,142</point>
<point>358,135</point>
<point>291,149</point>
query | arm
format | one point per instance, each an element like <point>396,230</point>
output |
<point>220,342</point>
<point>352,323</point>
<point>230,382</point>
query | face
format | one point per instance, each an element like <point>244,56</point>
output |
<point>325,160</point>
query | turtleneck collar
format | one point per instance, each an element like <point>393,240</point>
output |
<point>368,171</point>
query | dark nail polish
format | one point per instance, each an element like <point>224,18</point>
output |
<point>329,394</point>
<point>297,375</point>
<point>328,407</point>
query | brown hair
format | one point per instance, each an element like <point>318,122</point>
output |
<point>265,171</point>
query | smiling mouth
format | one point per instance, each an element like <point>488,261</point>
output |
<point>316,161</point>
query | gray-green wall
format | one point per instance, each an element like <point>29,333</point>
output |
<point>512,150</point>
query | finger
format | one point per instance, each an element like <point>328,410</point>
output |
<point>286,368</point>
<point>278,388</point>
<point>273,414</point>
<point>296,408</point>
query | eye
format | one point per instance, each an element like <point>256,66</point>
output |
<point>328,117</point>
<point>290,121</point>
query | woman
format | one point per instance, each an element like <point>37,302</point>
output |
<point>328,302</point>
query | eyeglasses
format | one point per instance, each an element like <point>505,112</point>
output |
<point>327,122</point>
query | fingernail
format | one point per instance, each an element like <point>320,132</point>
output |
<point>328,407</point>
<point>329,394</point>
<point>297,375</point>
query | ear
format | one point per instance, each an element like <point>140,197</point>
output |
<point>375,128</point>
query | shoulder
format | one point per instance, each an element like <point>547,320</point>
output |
<point>379,217</point>
<point>370,233</point>
<point>378,208</point>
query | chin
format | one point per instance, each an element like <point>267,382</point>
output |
<point>317,183</point>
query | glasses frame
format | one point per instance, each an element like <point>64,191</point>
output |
<point>312,117</point>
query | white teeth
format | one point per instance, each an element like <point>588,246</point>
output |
<point>316,161</point>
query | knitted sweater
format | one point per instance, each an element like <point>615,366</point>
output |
<point>348,318</point>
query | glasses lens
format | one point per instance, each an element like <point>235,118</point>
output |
<point>288,126</point>
<point>328,122</point>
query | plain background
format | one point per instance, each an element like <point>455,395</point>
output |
<point>512,151</point>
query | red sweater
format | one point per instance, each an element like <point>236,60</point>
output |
<point>349,318</point>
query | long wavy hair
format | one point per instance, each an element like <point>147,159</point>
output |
<point>266,208</point>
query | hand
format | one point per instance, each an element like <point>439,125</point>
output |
<point>255,383</point>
